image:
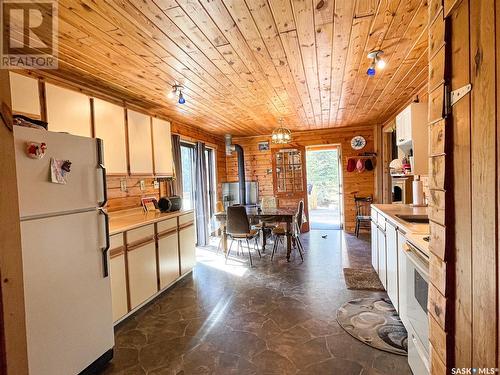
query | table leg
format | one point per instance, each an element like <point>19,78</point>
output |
<point>224,239</point>
<point>288,240</point>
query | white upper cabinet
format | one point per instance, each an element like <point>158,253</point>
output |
<point>403,126</point>
<point>140,144</point>
<point>162,145</point>
<point>411,126</point>
<point>109,123</point>
<point>68,111</point>
<point>25,95</point>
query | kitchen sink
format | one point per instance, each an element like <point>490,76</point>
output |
<point>418,219</point>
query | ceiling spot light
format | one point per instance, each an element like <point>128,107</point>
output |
<point>181,98</point>
<point>377,62</point>
<point>177,91</point>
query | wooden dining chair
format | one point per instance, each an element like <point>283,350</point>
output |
<point>219,207</point>
<point>363,213</point>
<point>279,232</point>
<point>238,229</point>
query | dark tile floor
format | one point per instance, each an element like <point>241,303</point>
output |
<point>276,318</point>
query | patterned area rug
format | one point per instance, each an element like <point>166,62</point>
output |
<point>362,279</point>
<point>375,322</point>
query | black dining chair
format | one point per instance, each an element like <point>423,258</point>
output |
<point>363,213</point>
<point>279,233</point>
<point>238,229</point>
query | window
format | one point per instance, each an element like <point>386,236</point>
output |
<point>187,159</point>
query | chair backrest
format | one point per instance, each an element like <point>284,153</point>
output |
<point>363,205</point>
<point>269,202</point>
<point>300,214</point>
<point>219,207</point>
<point>237,220</point>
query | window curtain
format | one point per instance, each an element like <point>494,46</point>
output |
<point>201,196</point>
<point>176,154</point>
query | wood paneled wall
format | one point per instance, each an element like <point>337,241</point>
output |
<point>258,163</point>
<point>464,292</point>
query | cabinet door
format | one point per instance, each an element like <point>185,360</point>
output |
<point>109,123</point>
<point>392,264</point>
<point>68,111</point>
<point>168,253</point>
<point>374,230</point>
<point>382,267</point>
<point>118,286</point>
<point>402,292</point>
<point>117,275</point>
<point>139,143</point>
<point>25,95</point>
<point>162,146</point>
<point>187,242</point>
<point>142,273</point>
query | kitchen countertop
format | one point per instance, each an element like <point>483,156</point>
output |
<point>121,221</point>
<point>414,232</point>
<point>391,210</point>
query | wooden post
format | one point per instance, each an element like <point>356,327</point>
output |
<point>13,351</point>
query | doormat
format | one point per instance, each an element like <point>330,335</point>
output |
<point>362,279</point>
<point>375,322</point>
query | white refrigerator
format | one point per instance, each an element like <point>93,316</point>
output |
<point>65,242</point>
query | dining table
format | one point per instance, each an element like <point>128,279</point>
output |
<point>263,216</point>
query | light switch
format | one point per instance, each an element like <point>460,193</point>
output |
<point>143,185</point>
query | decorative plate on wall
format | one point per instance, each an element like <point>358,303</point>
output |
<point>358,142</point>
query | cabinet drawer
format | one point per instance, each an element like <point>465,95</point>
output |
<point>187,218</point>
<point>116,241</point>
<point>187,248</point>
<point>118,286</point>
<point>141,234</point>
<point>374,215</point>
<point>142,273</point>
<point>168,257</point>
<point>166,225</point>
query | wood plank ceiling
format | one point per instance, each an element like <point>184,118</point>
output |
<point>246,63</point>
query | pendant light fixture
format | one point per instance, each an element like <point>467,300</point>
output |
<point>378,63</point>
<point>177,91</point>
<point>281,135</point>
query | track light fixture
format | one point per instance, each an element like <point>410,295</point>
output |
<point>177,91</point>
<point>377,62</point>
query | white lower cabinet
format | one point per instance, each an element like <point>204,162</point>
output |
<point>382,258</point>
<point>374,246</point>
<point>187,240</point>
<point>142,273</point>
<point>118,280</point>
<point>168,259</point>
<point>392,263</point>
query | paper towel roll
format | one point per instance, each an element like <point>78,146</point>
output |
<point>418,192</point>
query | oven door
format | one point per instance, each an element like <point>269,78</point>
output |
<point>417,273</point>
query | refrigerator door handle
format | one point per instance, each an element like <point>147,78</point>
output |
<point>105,249</point>
<point>100,165</point>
